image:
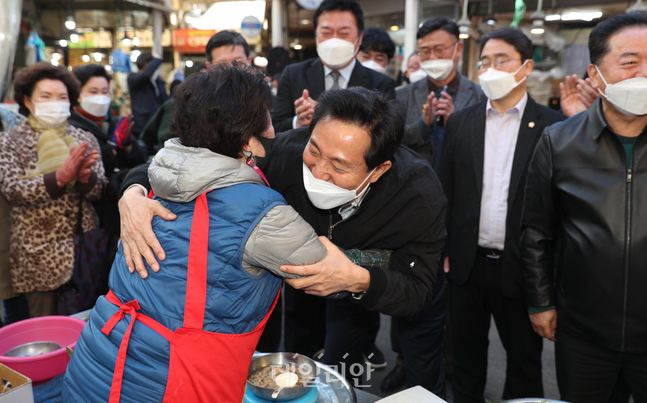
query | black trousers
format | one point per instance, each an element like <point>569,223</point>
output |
<point>350,330</point>
<point>419,339</point>
<point>305,322</point>
<point>471,306</point>
<point>587,372</point>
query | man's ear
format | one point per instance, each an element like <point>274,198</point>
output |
<point>596,80</point>
<point>380,170</point>
<point>459,51</point>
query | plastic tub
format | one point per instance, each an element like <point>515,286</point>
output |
<point>62,330</point>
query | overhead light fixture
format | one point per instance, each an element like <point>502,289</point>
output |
<point>537,27</point>
<point>74,37</point>
<point>585,15</point>
<point>489,20</point>
<point>97,56</point>
<point>189,63</point>
<point>637,6</point>
<point>464,23</point>
<point>394,28</point>
<point>62,43</point>
<point>126,41</point>
<point>298,46</point>
<point>85,58</point>
<point>260,61</point>
<point>70,24</point>
<point>553,17</point>
<point>173,19</point>
<point>305,21</point>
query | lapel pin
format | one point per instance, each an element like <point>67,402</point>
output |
<point>531,125</point>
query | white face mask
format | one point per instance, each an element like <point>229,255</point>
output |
<point>325,195</point>
<point>96,105</point>
<point>373,65</point>
<point>53,113</point>
<point>629,96</point>
<point>496,84</point>
<point>438,69</point>
<point>417,75</point>
<point>335,52</point>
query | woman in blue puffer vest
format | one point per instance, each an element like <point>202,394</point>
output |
<point>188,331</point>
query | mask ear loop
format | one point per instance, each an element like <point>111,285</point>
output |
<point>251,162</point>
<point>606,84</point>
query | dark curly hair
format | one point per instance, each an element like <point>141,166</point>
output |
<point>222,108</point>
<point>85,73</point>
<point>27,78</point>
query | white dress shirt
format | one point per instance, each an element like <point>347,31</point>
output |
<point>344,77</point>
<point>501,132</point>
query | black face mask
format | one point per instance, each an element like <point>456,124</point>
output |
<point>261,162</point>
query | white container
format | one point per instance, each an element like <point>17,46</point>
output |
<point>20,392</point>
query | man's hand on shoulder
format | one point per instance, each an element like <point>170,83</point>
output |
<point>136,212</point>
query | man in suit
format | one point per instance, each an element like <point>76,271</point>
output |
<point>339,25</point>
<point>338,34</point>
<point>147,90</point>
<point>487,151</point>
<point>427,104</point>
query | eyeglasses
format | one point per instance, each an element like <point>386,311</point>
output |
<point>486,63</point>
<point>438,51</point>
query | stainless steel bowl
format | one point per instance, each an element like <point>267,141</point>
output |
<point>302,364</point>
<point>32,349</point>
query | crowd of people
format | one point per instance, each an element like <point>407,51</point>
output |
<point>336,197</point>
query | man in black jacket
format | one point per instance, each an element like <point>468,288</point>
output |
<point>584,242</point>
<point>355,185</point>
<point>488,147</point>
<point>147,90</point>
<point>338,33</point>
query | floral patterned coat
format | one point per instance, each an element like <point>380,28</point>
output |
<point>43,215</point>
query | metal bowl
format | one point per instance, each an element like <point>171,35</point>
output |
<point>32,349</point>
<point>304,366</point>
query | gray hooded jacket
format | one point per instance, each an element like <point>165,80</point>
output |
<point>180,174</point>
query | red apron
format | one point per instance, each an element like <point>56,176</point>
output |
<point>203,365</point>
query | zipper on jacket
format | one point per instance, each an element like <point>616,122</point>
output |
<point>628,208</point>
<point>332,226</point>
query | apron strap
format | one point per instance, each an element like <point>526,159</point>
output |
<point>196,282</point>
<point>129,308</point>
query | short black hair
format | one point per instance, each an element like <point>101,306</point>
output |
<point>340,5</point>
<point>27,78</point>
<point>512,36</point>
<point>85,73</point>
<point>599,36</point>
<point>222,108</point>
<point>367,109</point>
<point>142,59</point>
<point>377,40</point>
<point>434,24</point>
<point>226,38</point>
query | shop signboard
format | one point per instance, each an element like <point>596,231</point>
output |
<point>191,40</point>
<point>251,26</point>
